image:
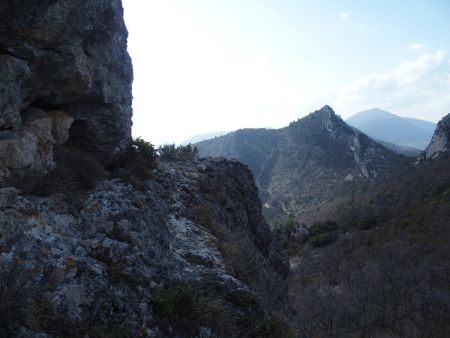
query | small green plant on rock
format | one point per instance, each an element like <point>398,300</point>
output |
<point>179,307</point>
<point>137,161</point>
<point>177,302</point>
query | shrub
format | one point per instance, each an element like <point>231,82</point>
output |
<point>322,239</point>
<point>322,234</point>
<point>172,153</point>
<point>327,226</point>
<point>176,302</point>
<point>275,328</point>
<point>284,232</point>
<point>202,214</point>
<point>367,222</point>
<point>21,302</point>
<point>286,228</point>
<point>179,307</point>
<point>138,160</point>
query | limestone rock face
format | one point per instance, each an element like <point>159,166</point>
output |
<point>440,141</point>
<point>101,265</point>
<point>29,147</point>
<point>65,55</point>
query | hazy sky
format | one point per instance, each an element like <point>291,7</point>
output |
<point>216,65</point>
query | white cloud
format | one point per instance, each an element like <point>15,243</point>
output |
<point>416,46</point>
<point>345,15</point>
<point>418,89</point>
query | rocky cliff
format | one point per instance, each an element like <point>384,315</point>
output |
<point>440,142</point>
<point>186,253</point>
<point>189,255</point>
<point>65,79</point>
<point>313,160</point>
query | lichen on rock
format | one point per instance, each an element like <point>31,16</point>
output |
<point>105,262</point>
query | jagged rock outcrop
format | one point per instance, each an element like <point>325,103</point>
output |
<point>103,265</point>
<point>65,77</point>
<point>184,254</point>
<point>440,142</point>
<point>313,160</point>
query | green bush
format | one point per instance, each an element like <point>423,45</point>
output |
<point>179,307</point>
<point>202,214</point>
<point>177,302</point>
<point>322,239</point>
<point>21,300</point>
<point>274,327</point>
<point>327,226</point>
<point>367,222</point>
<point>321,234</point>
<point>286,228</point>
<point>172,153</point>
<point>138,160</point>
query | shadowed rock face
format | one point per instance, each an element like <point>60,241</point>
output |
<point>67,56</point>
<point>440,141</point>
<point>111,262</point>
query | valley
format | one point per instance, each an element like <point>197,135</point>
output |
<point>323,228</point>
<point>368,255</point>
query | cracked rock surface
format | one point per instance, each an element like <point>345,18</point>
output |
<point>440,142</point>
<point>103,262</point>
<point>63,55</point>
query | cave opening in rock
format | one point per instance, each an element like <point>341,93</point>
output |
<point>43,104</point>
<point>80,136</point>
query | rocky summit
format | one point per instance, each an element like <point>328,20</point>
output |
<point>65,79</point>
<point>311,161</point>
<point>440,142</point>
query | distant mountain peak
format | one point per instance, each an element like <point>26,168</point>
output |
<point>325,112</point>
<point>329,121</point>
<point>373,114</point>
<point>327,109</point>
<point>387,127</point>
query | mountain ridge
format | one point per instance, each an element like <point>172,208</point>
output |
<point>206,136</point>
<point>299,166</point>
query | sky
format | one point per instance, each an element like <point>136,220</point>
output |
<point>203,66</point>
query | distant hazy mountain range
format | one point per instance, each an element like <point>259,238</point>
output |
<point>300,166</point>
<point>202,137</point>
<point>389,128</point>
